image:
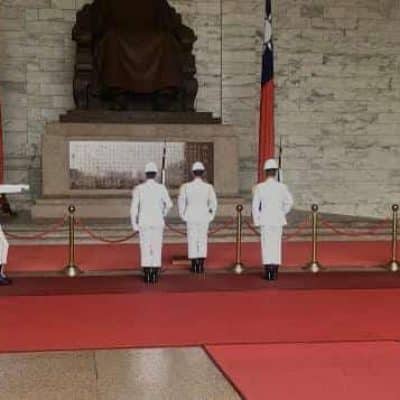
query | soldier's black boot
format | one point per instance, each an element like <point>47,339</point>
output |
<point>201,265</point>
<point>147,274</point>
<point>197,265</point>
<point>154,275</point>
<point>275,272</point>
<point>3,279</point>
<point>193,266</point>
<point>268,272</point>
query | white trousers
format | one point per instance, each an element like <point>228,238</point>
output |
<point>271,244</point>
<point>3,248</point>
<point>197,235</point>
<point>150,246</point>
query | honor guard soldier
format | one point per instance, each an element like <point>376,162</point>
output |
<point>271,202</point>
<point>197,204</point>
<point>4,190</point>
<point>150,204</point>
<point>3,258</point>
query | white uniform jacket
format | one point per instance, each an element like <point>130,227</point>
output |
<point>3,248</point>
<point>150,204</point>
<point>197,202</point>
<point>5,189</point>
<point>271,202</point>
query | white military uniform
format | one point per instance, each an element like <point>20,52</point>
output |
<point>271,202</point>
<point>3,257</point>
<point>197,205</point>
<point>4,246</point>
<point>150,204</point>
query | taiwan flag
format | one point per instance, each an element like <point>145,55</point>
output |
<point>266,141</point>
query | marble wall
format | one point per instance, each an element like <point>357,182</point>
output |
<point>337,89</point>
<point>338,102</point>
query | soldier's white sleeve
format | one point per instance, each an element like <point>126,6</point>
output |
<point>182,202</point>
<point>167,201</point>
<point>287,200</point>
<point>255,208</point>
<point>3,248</point>
<point>135,209</point>
<point>212,202</point>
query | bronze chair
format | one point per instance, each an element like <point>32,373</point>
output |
<point>88,90</point>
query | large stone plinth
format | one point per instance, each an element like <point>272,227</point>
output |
<point>57,193</point>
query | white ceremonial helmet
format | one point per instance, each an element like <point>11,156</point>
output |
<point>198,166</point>
<point>150,167</point>
<point>270,164</point>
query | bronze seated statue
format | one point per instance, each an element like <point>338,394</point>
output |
<point>133,55</point>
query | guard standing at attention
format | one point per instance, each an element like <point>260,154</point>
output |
<point>150,204</point>
<point>3,258</point>
<point>4,246</point>
<point>197,205</point>
<point>271,202</point>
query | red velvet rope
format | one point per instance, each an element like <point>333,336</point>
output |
<point>210,233</point>
<point>176,230</point>
<point>40,235</point>
<point>87,230</point>
<point>225,225</point>
<point>300,228</point>
<point>231,222</point>
<point>252,227</point>
<point>370,231</point>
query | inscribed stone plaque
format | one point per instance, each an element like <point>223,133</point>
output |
<point>120,164</point>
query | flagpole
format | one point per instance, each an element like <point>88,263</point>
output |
<point>266,136</point>
<point>280,160</point>
<point>221,105</point>
<point>163,164</point>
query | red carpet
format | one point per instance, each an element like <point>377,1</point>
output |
<point>271,339</point>
<point>331,371</point>
<point>221,255</point>
<point>178,319</point>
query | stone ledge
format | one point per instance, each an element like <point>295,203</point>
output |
<point>109,207</point>
<point>138,117</point>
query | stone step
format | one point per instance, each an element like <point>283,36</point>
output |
<point>220,228</point>
<point>139,117</point>
<point>109,208</point>
<point>359,228</point>
<point>226,234</point>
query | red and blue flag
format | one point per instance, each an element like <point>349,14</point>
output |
<point>266,143</point>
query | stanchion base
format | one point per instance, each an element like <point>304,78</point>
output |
<point>393,266</point>
<point>72,271</point>
<point>313,267</point>
<point>238,269</point>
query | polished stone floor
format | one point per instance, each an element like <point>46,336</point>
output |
<point>167,373</point>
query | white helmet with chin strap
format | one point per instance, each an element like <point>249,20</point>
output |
<point>270,164</point>
<point>150,167</point>
<point>198,166</point>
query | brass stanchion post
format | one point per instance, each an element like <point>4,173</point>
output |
<point>71,270</point>
<point>393,265</point>
<point>238,267</point>
<point>314,266</point>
